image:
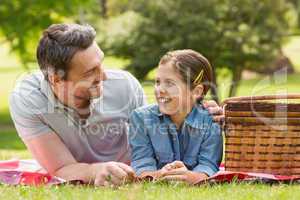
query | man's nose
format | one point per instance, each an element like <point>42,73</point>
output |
<point>100,76</point>
<point>103,76</point>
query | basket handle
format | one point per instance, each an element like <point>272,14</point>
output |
<point>263,97</point>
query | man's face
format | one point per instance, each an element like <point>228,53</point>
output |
<point>84,79</point>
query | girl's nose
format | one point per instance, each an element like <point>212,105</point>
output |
<point>160,89</point>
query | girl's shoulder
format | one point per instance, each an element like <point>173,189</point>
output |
<point>151,110</point>
<point>198,117</point>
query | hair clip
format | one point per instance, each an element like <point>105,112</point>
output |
<point>199,77</point>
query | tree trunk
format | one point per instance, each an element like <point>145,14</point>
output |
<point>214,87</point>
<point>298,12</point>
<point>81,16</point>
<point>236,77</point>
<point>103,4</point>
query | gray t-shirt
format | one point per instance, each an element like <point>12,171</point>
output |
<point>101,137</point>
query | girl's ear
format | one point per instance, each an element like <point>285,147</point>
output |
<point>198,92</point>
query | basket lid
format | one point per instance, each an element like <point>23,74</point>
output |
<point>250,99</point>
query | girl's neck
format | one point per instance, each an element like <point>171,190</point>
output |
<point>179,117</point>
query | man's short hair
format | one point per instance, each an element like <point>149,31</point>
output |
<point>58,45</point>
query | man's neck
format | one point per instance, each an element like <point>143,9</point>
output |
<point>83,112</point>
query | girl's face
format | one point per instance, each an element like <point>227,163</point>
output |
<point>172,94</point>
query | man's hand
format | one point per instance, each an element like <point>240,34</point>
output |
<point>111,174</point>
<point>214,109</point>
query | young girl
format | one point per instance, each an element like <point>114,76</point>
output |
<point>176,139</point>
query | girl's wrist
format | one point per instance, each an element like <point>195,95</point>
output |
<point>151,175</point>
<point>195,177</point>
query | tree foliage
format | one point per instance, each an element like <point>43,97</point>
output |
<point>21,22</point>
<point>234,34</point>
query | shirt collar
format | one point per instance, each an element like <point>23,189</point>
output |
<point>156,111</point>
<point>195,119</point>
<point>47,90</point>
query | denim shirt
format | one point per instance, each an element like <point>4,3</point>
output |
<point>155,141</point>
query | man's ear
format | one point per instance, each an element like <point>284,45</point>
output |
<point>54,78</point>
<point>198,91</point>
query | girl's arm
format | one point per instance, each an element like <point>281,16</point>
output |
<point>211,151</point>
<point>142,154</point>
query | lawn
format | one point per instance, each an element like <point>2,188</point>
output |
<point>12,147</point>
<point>148,191</point>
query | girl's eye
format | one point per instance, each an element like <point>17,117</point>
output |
<point>169,84</point>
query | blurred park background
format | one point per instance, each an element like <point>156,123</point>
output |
<point>253,45</point>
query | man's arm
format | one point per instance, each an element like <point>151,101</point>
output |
<point>53,155</point>
<point>215,110</point>
<point>48,149</point>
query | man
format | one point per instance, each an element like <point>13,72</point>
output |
<point>72,114</point>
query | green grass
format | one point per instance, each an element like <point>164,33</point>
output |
<point>274,84</point>
<point>12,148</point>
<point>292,50</point>
<point>149,191</point>
<point>9,141</point>
<point>270,85</point>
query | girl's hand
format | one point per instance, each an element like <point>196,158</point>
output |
<point>174,165</point>
<point>177,171</point>
<point>159,174</point>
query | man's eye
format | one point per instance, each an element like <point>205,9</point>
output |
<point>157,82</point>
<point>89,73</point>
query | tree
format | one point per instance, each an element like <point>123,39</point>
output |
<point>232,34</point>
<point>22,21</point>
<point>296,4</point>
<point>103,4</point>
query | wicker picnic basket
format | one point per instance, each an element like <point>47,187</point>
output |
<point>263,135</point>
